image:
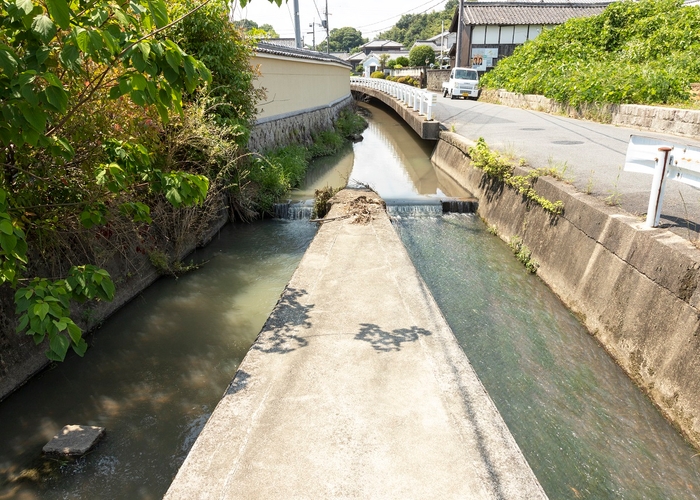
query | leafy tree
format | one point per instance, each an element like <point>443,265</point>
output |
<point>402,60</point>
<point>252,28</point>
<point>212,39</point>
<point>420,54</point>
<point>412,27</point>
<point>61,61</point>
<point>343,40</point>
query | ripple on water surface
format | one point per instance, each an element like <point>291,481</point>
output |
<point>583,426</point>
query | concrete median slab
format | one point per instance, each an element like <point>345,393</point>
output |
<point>355,388</point>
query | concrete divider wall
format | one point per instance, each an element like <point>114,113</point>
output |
<point>684,122</point>
<point>635,289</point>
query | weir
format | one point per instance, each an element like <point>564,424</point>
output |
<point>355,387</point>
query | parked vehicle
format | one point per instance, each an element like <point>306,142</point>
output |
<point>463,82</point>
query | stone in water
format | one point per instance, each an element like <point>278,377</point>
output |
<point>74,440</point>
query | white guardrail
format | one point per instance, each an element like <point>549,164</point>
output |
<point>420,100</point>
<point>663,160</point>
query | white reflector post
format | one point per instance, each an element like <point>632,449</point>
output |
<point>663,160</point>
<point>658,184</point>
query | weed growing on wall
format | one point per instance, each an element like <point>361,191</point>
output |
<point>496,167</point>
<point>523,254</point>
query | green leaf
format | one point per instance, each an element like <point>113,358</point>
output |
<point>82,38</point>
<point>23,322</point>
<point>73,330</point>
<point>159,12</point>
<point>8,242</point>
<point>36,118</point>
<point>138,82</point>
<point>41,309</point>
<point>80,347</point>
<point>6,227</point>
<point>8,60</point>
<point>70,57</point>
<point>108,288</point>
<point>59,346</point>
<point>174,59</point>
<point>58,98</point>
<point>60,12</point>
<point>44,27</point>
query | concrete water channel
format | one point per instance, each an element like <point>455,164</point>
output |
<point>157,368</point>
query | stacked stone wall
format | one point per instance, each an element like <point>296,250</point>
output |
<point>296,129</point>
<point>682,122</point>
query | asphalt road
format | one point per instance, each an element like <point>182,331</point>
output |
<point>591,154</point>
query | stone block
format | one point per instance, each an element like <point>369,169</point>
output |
<point>74,440</point>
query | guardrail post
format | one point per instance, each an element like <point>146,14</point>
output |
<point>657,187</point>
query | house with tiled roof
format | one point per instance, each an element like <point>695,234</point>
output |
<point>380,46</point>
<point>492,30</point>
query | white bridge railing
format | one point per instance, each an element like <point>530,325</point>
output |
<point>419,100</point>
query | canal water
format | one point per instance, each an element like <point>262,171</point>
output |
<point>157,368</point>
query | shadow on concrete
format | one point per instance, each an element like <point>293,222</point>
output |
<point>289,314</point>
<point>384,341</point>
<point>240,382</point>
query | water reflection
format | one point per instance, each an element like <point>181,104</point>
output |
<point>153,375</point>
<point>390,159</point>
<point>583,426</point>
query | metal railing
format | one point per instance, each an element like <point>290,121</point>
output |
<point>419,100</point>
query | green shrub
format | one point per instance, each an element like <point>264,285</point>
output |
<point>378,74</point>
<point>644,52</point>
<point>420,54</point>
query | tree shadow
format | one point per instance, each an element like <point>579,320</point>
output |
<point>384,341</point>
<point>277,336</point>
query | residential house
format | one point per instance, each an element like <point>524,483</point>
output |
<point>441,44</point>
<point>492,30</point>
<point>372,62</point>
<point>380,46</point>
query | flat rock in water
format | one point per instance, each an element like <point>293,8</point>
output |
<point>74,440</point>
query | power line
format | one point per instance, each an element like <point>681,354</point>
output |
<point>401,14</point>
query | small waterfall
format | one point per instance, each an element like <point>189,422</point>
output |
<point>431,207</point>
<point>293,210</point>
<point>414,208</point>
<point>460,205</point>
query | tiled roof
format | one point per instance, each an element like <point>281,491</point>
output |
<point>375,44</point>
<point>282,50</point>
<point>485,13</point>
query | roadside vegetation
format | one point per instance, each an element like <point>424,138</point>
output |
<point>123,138</point>
<point>640,52</point>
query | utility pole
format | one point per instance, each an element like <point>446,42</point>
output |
<point>442,45</point>
<point>313,30</point>
<point>460,31</point>
<point>328,33</point>
<point>297,25</point>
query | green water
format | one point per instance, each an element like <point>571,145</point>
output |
<point>153,375</point>
<point>583,426</point>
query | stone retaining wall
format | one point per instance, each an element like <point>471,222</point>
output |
<point>682,122</point>
<point>297,128</point>
<point>634,288</point>
<point>436,77</point>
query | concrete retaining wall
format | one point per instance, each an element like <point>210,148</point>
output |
<point>635,289</point>
<point>425,129</point>
<point>683,122</point>
<point>20,358</point>
<point>295,128</point>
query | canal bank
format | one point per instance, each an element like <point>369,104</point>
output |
<point>355,387</point>
<point>634,288</point>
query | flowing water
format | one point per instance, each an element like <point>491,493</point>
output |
<point>585,428</point>
<point>157,368</point>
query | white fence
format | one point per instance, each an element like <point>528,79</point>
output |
<point>420,100</point>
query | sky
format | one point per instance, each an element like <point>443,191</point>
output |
<point>369,16</point>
